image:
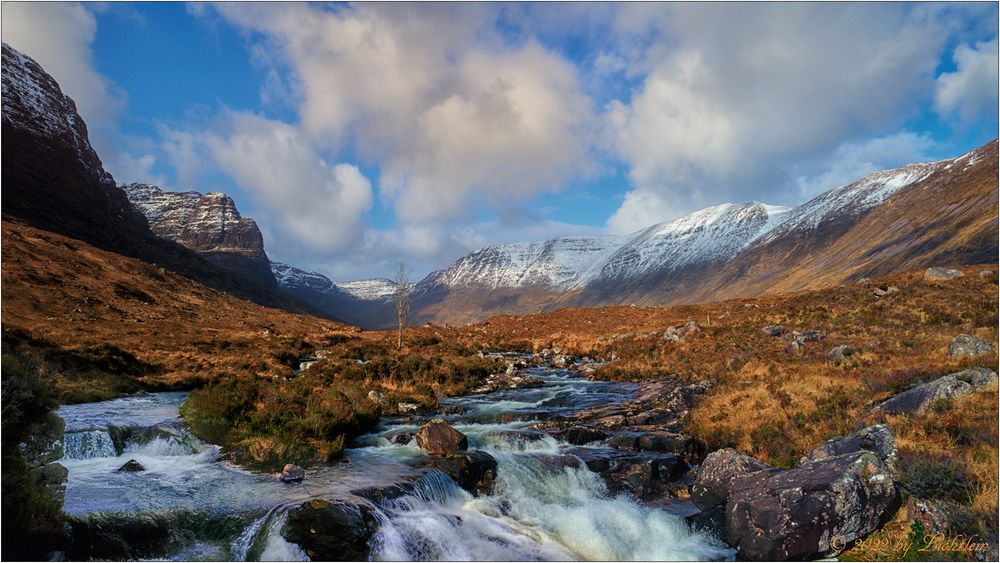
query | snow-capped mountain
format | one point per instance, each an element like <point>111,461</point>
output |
<point>731,250</point>
<point>209,224</point>
<point>378,289</point>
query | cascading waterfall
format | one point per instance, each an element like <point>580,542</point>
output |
<point>88,444</point>
<point>545,505</point>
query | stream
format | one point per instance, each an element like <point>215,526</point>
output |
<point>190,504</point>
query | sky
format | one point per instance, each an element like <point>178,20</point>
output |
<point>361,135</point>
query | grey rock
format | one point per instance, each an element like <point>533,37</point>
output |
<point>877,439</point>
<point>292,473</point>
<point>966,345</point>
<point>922,397</point>
<point>773,330</point>
<point>717,473</point>
<point>53,477</point>
<point>939,274</point>
<point>579,435</point>
<point>782,515</point>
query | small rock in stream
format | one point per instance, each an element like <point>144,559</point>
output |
<point>131,466</point>
<point>292,473</point>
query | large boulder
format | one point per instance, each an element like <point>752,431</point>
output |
<point>474,471</point>
<point>965,345</point>
<point>939,274</point>
<point>331,531</point>
<point>796,514</point>
<point>681,332</point>
<point>877,439</point>
<point>439,438</point>
<point>717,473</point>
<point>922,397</point>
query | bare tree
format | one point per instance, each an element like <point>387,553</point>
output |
<point>402,299</point>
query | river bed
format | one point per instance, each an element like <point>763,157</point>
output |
<point>538,510</point>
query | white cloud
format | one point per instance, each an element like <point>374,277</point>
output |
<point>432,94</point>
<point>59,36</point>
<point>128,168</point>
<point>310,203</point>
<point>971,90</point>
<point>737,94</point>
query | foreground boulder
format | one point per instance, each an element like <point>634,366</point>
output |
<point>474,471</point>
<point>965,345</point>
<point>439,438</point>
<point>292,473</point>
<point>720,469</point>
<point>922,397</point>
<point>939,274</point>
<point>781,515</point>
<point>331,531</point>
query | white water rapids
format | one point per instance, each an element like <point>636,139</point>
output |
<point>543,506</point>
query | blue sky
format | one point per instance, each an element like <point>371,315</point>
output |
<point>360,135</point>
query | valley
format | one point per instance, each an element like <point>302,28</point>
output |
<point>747,381</point>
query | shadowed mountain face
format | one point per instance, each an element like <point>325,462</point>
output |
<point>209,224</point>
<point>53,180</point>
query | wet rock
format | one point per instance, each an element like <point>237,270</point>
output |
<point>877,439</point>
<point>474,471</point>
<point>402,438</point>
<point>562,361</point>
<point>966,345</point>
<point>579,435</point>
<point>625,442</point>
<point>501,381</point>
<point>840,353</point>
<point>781,515</point>
<point>668,442</point>
<point>644,475</point>
<point>681,332</point>
<point>331,531</point>
<point>939,274</point>
<point>922,397</point>
<point>439,438</point>
<point>405,408</point>
<point>715,478</point>
<point>380,494</point>
<point>773,330</point>
<point>131,466</point>
<point>292,473</point>
<point>453,409</point>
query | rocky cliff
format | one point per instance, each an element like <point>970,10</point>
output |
<point>209,224</point>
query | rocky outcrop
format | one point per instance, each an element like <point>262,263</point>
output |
<point>41,451</point>
<point>439,438</point>
<point>940,274</point>
<point>965,345</point>
<point>331,531</point>
<point>209,224</point>
<point>811,511</point>
<point>923,397</point>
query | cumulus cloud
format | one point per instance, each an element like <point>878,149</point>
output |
<point>971,90</point>
<point>452,113</point>
<point>59,36</point>
<point>310,202</point>
<point>736,94</point>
